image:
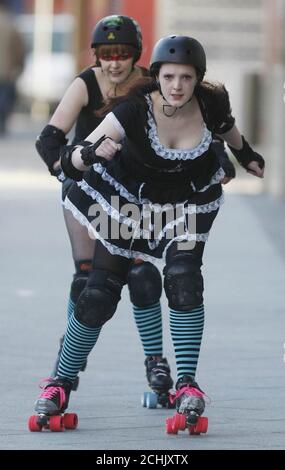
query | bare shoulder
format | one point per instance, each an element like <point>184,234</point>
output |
<point>78,91</point>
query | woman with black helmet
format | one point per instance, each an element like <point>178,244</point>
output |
<point>117,44</point>
<point>168,172</point>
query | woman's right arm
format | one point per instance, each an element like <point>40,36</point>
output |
<point>103,142</point>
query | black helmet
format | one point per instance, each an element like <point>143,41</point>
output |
<point>118,29</point>
<point>179,50</point>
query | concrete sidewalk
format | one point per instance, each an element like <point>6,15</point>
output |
<point>241,366</point>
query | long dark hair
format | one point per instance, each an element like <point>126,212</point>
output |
<point>142,86</point>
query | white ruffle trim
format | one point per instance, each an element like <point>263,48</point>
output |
<point>98,168</point>
<point>216,178</point>
<point>147,209</point>
<point>205,208</point>
<point>101,170</point>
<point>175,154</point>
<point>111,211</point>
<point>128,253</point>
<point>90,191</point>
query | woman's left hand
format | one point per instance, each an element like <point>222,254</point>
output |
<point>108,148</point>
<point>254,169</point>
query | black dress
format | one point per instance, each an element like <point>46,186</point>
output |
<point>150,196</point>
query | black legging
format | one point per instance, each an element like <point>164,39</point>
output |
<point>105,261</point>
<point>81,244</point>
<point>119,265</point>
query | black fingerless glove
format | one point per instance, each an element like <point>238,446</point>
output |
<point>246,154</point>
<point>88,153</point>
<point>225,162</point>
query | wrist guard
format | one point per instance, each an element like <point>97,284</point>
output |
<point>225,162</point>
<point>246,154</point>
<point>60,176</point>
<point>88,153</point>
<point>66,163</point>
<point>48,145</point>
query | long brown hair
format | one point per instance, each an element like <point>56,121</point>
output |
<point>138,89</point>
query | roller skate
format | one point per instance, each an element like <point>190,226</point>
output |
<point>75,383</point>
<point>50,408</point>
<point>160,381</point>
<point>190,405</point>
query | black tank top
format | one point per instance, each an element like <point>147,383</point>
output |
<point>87,121</point>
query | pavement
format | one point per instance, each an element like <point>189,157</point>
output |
<point>241,367</point>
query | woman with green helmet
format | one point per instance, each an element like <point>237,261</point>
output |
<point>154,150</point>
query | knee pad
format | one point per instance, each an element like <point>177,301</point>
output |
<point>145,284</point>
<point>183,283</point>
<point>80,278</point>
<point>98,301</point>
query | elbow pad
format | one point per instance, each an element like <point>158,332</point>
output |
<point>246,154</point>
<point>67,165</point>
<point>48,145</point>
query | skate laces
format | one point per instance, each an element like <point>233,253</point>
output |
<point>160,367</point>
<point>50,392</point>
<point>160,370</point>
<point>191,391</point>
<point>48,380</point>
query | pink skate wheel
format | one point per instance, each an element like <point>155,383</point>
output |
<point>200,427</point>
<point>168,425</point>
<point>179,421</point>
<point>175,424</point>
<point>70,420</point>
<point>33,424</point>
<point>56,423</point>
<point>203,424</point>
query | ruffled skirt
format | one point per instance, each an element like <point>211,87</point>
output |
<point>117,211</point>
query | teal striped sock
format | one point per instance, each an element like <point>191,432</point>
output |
<point>186,331</point>
<point>149,324</point>
<point>79,340</point>
<point>70,308</point>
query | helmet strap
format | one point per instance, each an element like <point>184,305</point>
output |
<point>165,106</point>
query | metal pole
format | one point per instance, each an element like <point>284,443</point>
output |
<point>77,10</point>
<point>43,15</point>
<point>274,105</point>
